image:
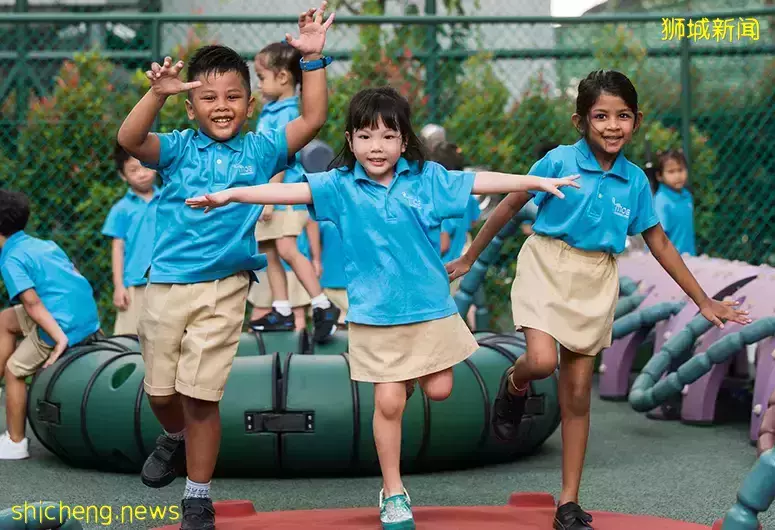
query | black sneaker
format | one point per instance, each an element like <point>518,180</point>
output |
<point>274,321</point>
<point>164,464</point>
<point>198,514</point>
<point>325,321</point>
<point>508,410</point>
<point>570,516</point>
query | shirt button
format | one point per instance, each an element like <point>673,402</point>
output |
<point>599,195</point>
<point>218,161</point>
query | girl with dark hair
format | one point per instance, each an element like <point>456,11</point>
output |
<point>388,204</point>
<point>673,201</point>
<point>567,283</point>
<point>279,74</point>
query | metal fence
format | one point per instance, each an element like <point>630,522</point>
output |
<point>502,86</point>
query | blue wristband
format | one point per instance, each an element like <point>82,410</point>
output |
<point>317,64</point>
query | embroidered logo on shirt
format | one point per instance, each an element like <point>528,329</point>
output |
<point>243,170</point>
<point>620,210</point>
<point>413,201</point>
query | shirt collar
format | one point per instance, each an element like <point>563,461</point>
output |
<point>402,166</point>
<point>587,161</point>
<point>280,104</point>
<point>12,241</point>
<point>203,141</point>
<point>664,188</point>
<point>130,193</point>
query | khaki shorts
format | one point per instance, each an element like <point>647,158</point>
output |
<point>189,335</point>
<point>284,223</point>
<point>570,294</point>
<point>126,321</point>
<point>338,297</point>
<point>260,294</point>
<point>390,354</point>
<point>32,352</point>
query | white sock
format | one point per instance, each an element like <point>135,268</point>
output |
<point>196,490</point>
<point>321,301</point>
<point>283,307</point>
<point>177,435</point>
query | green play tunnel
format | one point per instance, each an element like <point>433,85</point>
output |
<point>283,414</point>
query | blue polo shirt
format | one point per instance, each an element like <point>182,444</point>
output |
<point>391,238</point>
<point>30,263</point>
<point>133,219</point>
<point>676,213</point>
<point>191,246</point>
<point>458,230</point>
<point>609,206</point>
<point>276,115</point>
<point>331,257</point>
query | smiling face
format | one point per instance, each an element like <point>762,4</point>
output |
<point>221,105</point>
<point>673,174</point>
<point>377,149</point>
<point>609,126</point>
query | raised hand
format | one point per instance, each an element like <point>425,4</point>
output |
<point>312,31</point>
<point>717,312</point>
<point>210,201</point>
<point>552,185</point>
<point>164,78</point>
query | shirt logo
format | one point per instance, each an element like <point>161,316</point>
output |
<point>413,201</point>
<point>620,210</point>
<point>243,170</point>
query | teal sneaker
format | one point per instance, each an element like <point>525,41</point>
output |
<point>395,512</point>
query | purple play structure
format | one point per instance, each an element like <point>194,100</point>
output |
<point>754,286</point>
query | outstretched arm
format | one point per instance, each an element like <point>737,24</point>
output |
<point>667,256</point>
<point>487,182</point>
<point>314,97</point>
<point>299,193</point>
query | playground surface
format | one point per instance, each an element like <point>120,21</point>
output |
<point>634,465</point>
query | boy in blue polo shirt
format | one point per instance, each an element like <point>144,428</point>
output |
<point>566,284</point>
<point>130,223</point>
<point>201,268</point>
<point>55,309</point>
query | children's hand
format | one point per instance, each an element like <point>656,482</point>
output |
<point>551,185</point>
<point>121,298</point>
<point>457,268</point>
<point>164,78</point>
<point>312,31</point>
<point>718,312</point>
<point>266,213</point>
<point>59,349</point>
<point>210,201</point>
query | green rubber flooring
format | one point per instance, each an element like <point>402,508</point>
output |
<point>634,465</point>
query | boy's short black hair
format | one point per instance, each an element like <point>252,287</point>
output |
<point>120,157</point>
<point>217,59</point>
<point>14,212</point>
<point>448,155</point>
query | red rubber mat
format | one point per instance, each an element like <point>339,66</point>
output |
<point>524,511</point>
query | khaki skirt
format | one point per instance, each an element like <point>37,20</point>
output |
<point>391,354</point>
<point>283,223</point>
<point>570,294</point>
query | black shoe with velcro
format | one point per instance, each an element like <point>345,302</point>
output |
<point>164,464</point>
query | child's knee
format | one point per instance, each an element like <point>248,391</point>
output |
<point>578,396</point>
<point>287,248</point>
<point>542,363</point>
<point>9,322</point>
<point>164,402</point>
<point>390,399</point>
<point>437,386</point>
<point>200,410</point>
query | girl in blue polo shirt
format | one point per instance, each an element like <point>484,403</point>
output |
<point>673,201</point>
<point>388,204</point>
<point>279,73</point>
<point>566,283</point>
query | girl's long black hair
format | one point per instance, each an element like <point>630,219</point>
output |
<point>367,108</point>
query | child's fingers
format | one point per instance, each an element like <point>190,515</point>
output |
<point>556,192</point>
<point>192,85</point>
<point>329,21</point>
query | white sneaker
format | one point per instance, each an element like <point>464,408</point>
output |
<point>10,450</point>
